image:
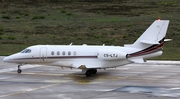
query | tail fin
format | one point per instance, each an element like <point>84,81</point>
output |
<point>155,34</point>
<point>150,42</point>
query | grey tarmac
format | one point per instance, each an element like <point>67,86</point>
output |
<point>152,80</point>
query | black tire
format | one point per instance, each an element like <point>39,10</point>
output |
<point>19,71</point>
<point>94,71</point>
<point>88,73</point>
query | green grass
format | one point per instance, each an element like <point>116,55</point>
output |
<point>11,48</point>
<point>26,23</point>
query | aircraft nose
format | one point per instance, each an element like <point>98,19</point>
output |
<point>6,59</point>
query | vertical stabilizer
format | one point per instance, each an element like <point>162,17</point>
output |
<point>153,35</point>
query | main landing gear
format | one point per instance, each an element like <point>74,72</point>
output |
<point>89,72</point>
<point>19,69</point>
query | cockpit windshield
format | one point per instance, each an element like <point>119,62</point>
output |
<point>26,51</point>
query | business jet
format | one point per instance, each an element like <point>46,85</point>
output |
<point>89,58</point>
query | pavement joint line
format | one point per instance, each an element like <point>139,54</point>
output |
<point>28,90</point>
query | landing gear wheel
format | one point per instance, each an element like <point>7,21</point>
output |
<point>94,71</point>
<point>19,70</point>
<point>88,73</point>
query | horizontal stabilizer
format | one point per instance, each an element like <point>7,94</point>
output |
<point>137,60</point>
<point>149,42</point>
<point>155,34</point>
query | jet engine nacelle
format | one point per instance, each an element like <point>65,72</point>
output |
<point>108,54</point>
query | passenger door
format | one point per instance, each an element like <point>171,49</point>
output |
<point>43,54</point>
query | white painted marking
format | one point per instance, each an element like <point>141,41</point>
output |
<point>124,68</point>
<point>28,90</point>
<point>1,78</point>
<point>175,88</point>
<point>57,81</point>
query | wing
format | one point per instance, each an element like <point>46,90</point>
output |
<point>84,66</point>
<point>78,64</point>
<point>94,64</point>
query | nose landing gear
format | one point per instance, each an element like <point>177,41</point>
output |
<point>19,69</point>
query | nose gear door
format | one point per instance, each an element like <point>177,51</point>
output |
<point>43,54</point>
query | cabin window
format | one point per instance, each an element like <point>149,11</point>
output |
<point>74,53</point>
<point>64,53</point>
<point>58,53</point>
<point>69,53</point>
<point>52,53</point>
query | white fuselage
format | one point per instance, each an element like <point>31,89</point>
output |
<point>73,56</point>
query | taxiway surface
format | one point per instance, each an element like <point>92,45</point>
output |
<point>153,80</point>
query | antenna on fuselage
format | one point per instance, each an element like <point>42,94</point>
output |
<point>71,43</point>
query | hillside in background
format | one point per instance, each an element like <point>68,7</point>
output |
<point>95,22</point>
